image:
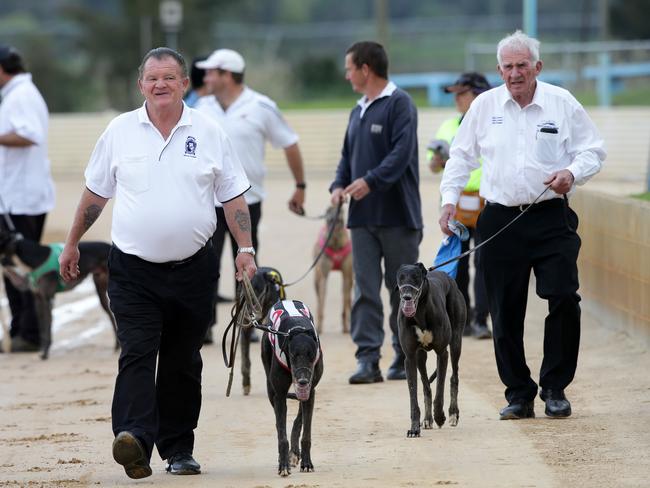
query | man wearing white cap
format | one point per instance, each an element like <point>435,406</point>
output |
<point>249,119</point>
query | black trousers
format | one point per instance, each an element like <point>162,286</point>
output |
<point>545,241</point>
<point>219,237</point>
<point>24,321</point>
<point>462,280</point>
<point>162,313</point>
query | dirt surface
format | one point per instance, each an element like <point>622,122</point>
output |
<point>55,415</point>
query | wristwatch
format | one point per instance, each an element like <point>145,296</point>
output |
<point>248,250</point>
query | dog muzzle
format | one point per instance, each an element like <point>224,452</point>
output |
<point>408,307</point>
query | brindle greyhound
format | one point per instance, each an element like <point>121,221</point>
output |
<point>293,356</point>
<point>431,317</point>
<point>269,288</point>
<point>25,262</point>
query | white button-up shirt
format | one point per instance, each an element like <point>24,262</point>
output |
<point>250,121</point>
<point>517,156</point>
<point>164,189</point>
<point>26,186</point>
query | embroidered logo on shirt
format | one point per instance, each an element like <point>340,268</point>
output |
<point>497,119</point>
<point>376,129</point>
<point>190,147</point>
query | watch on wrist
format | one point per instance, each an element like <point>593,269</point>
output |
<point>301,186</point>
<point>247,250</point>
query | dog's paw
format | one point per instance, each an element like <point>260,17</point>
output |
<point>293,459</point>
<point>306,466</point>
<point>413,433</point>
<point>284,470</point>
<point>453,419</point>
<point>440,419</point>
<point>428,423</point>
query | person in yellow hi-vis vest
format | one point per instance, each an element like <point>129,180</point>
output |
<point>465,90</point>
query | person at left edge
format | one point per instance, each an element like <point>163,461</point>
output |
<point>26,186</point>
<point>164,164</point>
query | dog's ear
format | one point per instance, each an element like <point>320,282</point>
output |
<point>423,269</point>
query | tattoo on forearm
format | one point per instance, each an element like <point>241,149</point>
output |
<point>243,220</point>
<point>90,215</point>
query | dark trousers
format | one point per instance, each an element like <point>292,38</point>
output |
<point>462,280</point>
<point>219,237</point>
<point>370,246</point>
<point>544,240</point>
<point>162,314</point>
<point>24,321</point>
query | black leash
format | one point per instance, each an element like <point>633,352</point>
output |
<point>475,248</point>
<point>7,218</point>
<point>322,250</point>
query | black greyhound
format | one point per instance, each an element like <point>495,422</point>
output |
<point>27,264</point>
<point>269,288</point>
<point>431,317</point>
<point>293,356</point>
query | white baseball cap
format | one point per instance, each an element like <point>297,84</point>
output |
<point>225,59</point>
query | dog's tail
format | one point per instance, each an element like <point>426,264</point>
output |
<point>433,376</point>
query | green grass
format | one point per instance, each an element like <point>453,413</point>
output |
<point>643,196</point>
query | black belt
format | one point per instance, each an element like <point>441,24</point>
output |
<point>174,264</point>
<point>545,204</point>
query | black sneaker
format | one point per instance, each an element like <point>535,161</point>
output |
<point>128,451</point>
<point>182,463</point>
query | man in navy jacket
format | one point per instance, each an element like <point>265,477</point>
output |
<point>378,170</point>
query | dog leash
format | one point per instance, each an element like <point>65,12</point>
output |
<point>476,248</point>
<point>7,218</point>
<point>330,233</point>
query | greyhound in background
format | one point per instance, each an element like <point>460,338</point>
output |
<point>431,316</point>
<point>27,264</point>
<point>337,257</point>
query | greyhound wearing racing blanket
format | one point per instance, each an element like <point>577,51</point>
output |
<point>431,316</point>
<point>292,356</point>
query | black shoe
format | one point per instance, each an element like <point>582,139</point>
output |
<point>396,370</point>
<point>182,463</point>
<point>557,406</point>
<point>18,344</point>
<point>222,299</point>
<point>367,372</point>
<point>481,331</point>
<point>518,409</point>
<point>128,451</point>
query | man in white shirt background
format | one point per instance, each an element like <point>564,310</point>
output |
<point>530,135</point>
<point>26,186</point>
<point>250,119</point>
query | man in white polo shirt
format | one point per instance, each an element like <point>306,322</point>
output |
<point>164,164</point>
<point>250,119</point>
<point>26,187</point>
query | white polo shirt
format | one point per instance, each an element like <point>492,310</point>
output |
<point>250,121</point>
<point>517,156</point>
<point>26,185</point>
<point>164,189</point>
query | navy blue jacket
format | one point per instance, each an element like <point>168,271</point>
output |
<point>382,148</point>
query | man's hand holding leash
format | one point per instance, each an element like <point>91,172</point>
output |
<point>561,181</point>
<point>447,213</point>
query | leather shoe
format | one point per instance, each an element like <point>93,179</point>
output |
<point>128,451</point>
<point>557,406</point>
<point>396,370</point>
<point>518,409</point>
<point>182,463</point>
<point>367,372</point>
<point>481,331</point>
<point>18,344</point>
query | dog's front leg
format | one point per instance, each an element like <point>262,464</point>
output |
<point>307,408</point>
<point>280,407</point>
<point>412,380</point>
<point>438,401</point>
<point>421,355</point>
<point>294,455</point>
<point>44,314</point>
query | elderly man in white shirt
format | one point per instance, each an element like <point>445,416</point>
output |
<point>164,164</point>
<point>26,187</point>
<point>530,135</point>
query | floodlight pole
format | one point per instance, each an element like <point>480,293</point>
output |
<point>171,17</point>
<point>530,17</point>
